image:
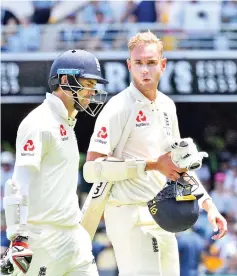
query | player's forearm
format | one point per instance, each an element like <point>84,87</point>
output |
<point>208,205</point>
<point>92,155</point>
<point>16,201</point>
<point>109,168</point>
<point>151,165</point>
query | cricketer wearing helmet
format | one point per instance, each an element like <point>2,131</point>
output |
<point>40,201</point>
<point>142,247</point>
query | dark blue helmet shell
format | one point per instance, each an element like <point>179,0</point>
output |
<point>85,64</point>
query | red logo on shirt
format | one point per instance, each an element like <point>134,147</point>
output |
<point>63,131</point>
<point>29,146</point>
<point>140,117</point>
<point>102,133</point>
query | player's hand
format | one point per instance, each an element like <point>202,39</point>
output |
<point>168,168</point>
<point>16,261</point>
<point>218,222</point>
<point>184,154</point>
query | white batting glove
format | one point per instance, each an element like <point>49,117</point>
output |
<point>17,258</point>
<point>185,155</point>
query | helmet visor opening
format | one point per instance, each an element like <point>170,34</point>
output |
<point>97,97</point>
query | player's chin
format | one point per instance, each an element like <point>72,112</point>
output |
<point>85,102</point>
<point>85,105</point>
<point>147,83</point>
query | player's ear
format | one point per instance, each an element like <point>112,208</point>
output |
<point>129,64</point>
<point>163,64</point>
<point>63,79</point>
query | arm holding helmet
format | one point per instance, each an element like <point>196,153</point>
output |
<point>192,159</point>
<point>185,155</point>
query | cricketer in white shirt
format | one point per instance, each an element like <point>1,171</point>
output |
<point>40,202</point>
<point>126,214</point>
<point>141,247</point>
<point>46,141</point>
<point>154,126</point>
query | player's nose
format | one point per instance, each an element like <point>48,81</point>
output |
<point>144,69</point>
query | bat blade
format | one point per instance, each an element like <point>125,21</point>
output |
<point>94,206</point>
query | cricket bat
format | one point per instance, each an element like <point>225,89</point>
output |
<point>94,206</point>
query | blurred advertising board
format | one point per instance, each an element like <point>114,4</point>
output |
<point>190,76</point>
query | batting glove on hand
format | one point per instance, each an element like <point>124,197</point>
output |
<point>185,155</point>
<point>17,258</point>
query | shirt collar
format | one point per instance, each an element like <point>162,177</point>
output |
<point>57,105</point>
<point>139,96</point>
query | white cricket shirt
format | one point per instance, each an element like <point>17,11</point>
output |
<point>154,126</point>
<point>46,141</point>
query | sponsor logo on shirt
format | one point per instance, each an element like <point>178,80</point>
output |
<point>28,148</point>
<point>167,123</point>
<point>141,119</point>
<point>63,133</point>
<point>102,135</point>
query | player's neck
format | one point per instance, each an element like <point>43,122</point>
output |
<point>149,93</point>
<point>72,113</point>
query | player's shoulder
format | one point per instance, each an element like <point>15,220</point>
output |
<point>119,104</point>
<point>166,101</point>
<point>35,120</point>
<point>124,98</point>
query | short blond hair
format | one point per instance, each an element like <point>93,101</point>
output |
<point>145,38</point>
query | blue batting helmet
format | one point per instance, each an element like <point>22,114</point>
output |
<point>175,208</point>
<point>76,62</point>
